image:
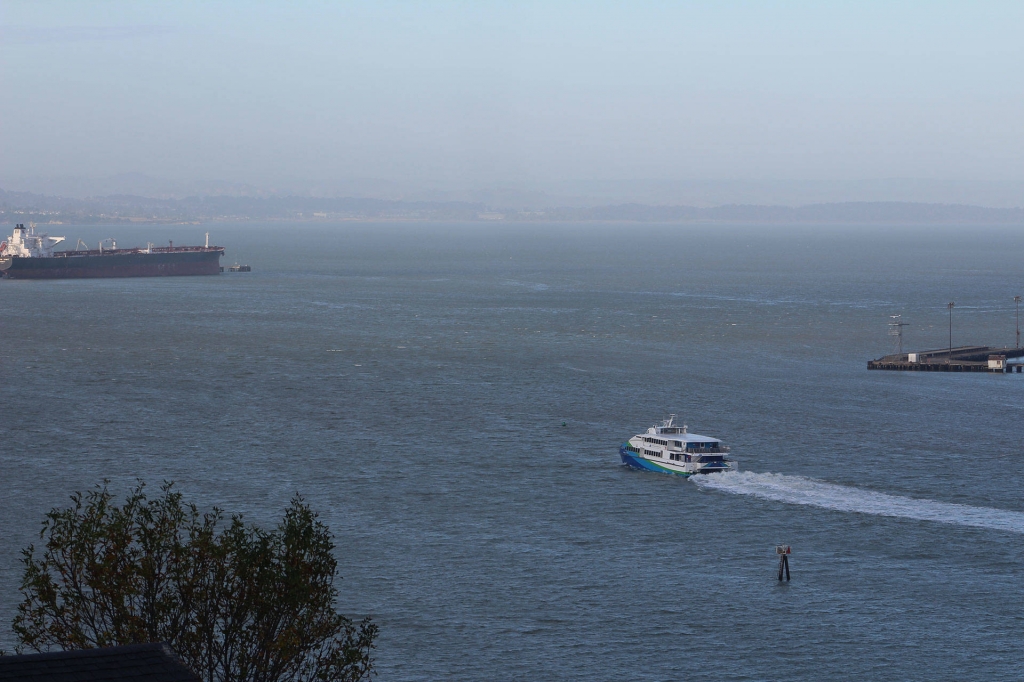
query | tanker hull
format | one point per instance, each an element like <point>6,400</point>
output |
<point>164,262</point>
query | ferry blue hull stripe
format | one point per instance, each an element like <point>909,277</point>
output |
<point>640,463</point>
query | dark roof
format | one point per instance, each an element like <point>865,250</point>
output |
<point>142,662</point>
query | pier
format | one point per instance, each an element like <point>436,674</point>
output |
<point>961,359</point>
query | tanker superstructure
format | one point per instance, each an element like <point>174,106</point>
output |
<point>29,255</point>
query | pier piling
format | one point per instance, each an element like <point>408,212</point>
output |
<point>783,551</point>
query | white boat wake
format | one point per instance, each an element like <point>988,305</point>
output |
<point>807,491</point>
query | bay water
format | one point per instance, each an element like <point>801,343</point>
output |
<point>451,398</point>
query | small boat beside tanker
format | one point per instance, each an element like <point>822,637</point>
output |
<point>27,254</point>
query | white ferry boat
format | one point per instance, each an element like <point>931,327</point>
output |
<point>670,449</point>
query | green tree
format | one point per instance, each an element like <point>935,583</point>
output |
<point>236,602</point>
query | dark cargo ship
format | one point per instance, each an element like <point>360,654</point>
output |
<point>28,255</point>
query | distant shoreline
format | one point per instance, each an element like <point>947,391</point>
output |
<point>24,207</point>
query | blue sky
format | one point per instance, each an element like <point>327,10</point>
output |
<point>456,95</point>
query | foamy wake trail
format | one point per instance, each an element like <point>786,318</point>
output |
<point>807,491</point>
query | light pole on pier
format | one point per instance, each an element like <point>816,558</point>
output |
<point>950,305</point>
<point>1016,299</point>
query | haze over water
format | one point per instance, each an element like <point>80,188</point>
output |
<point>412,380</point>
<point>518,105</point>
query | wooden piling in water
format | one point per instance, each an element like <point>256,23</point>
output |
<point>783,551</point>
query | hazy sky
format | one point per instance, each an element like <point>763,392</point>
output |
<point>475,94</point>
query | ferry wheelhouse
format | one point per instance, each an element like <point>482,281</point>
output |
<point>671,449</point>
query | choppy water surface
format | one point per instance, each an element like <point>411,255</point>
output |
<point>411,381</point>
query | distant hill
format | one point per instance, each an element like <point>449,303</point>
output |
<point>23,207</point>
<point>835,213</point>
